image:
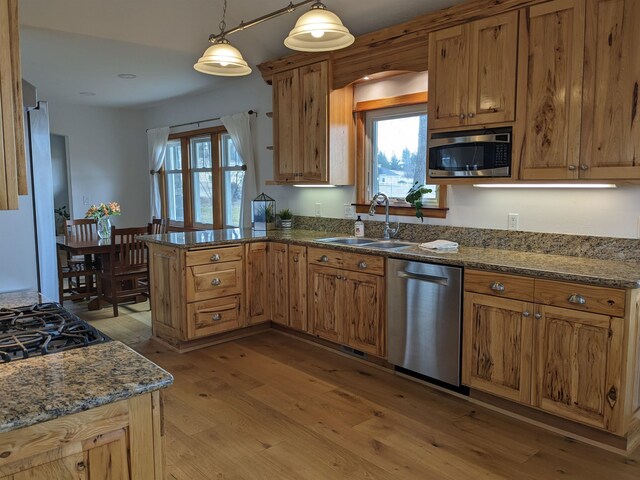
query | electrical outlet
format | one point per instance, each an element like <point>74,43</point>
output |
<point>318,209</point>
<point>85,200</point>
<point>638,227</point>
<point>513,221</point>
<point>349,211</point>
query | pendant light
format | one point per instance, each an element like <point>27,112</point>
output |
<point>222,58</point>
<point>319,30</point>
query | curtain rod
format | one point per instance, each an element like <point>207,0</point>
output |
<point>250,112</point>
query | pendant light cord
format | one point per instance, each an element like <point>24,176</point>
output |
<point>223,24</point>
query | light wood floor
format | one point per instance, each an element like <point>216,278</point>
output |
<point>273,407</point>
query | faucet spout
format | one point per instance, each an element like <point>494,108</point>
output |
<point>388,231</point>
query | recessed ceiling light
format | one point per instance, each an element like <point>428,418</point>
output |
<point>88,94</point>
<point>127,76</point>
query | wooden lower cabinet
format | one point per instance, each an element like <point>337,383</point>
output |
<point>119,441</point>
<point>298,287</point>
<point>579,366</point>
<point>573,361</point>
<point>497,345</point>
<point>348,307</point>
<point>279,282</point>
<point>256,285</point>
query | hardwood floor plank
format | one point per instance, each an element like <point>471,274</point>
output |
<point>272,407</point>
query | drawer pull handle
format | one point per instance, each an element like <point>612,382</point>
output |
<point>215,282</point>
<point>295,259</point>
<point>216,316</point>
<point>525,313</point>
<point>497,287</point>
<point>324,259</point>
<point>362,264</point>
<point>215,257</point>
<point>577,299</point>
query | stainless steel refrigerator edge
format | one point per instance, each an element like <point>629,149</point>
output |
<point>424,316</point>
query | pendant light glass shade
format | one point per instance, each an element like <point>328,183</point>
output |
<point>222,59</point>
<point>319,30</point>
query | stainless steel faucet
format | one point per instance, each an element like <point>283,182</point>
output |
<point>388,231</point>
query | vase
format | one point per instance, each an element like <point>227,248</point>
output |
<point>285,224</point>
<point>104,227</point>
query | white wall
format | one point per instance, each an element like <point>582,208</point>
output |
<point>593,212</point>
<point>17,248</point>
<point>107,151</point>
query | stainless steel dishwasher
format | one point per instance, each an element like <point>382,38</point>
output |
<point>424,318</point>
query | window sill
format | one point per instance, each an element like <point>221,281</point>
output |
<point>430,212</point>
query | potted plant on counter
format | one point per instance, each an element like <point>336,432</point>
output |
<point>286,218</point>
<point>414,197</point>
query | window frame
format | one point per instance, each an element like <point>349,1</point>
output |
<point>363,148</point>
<point>215,134</point>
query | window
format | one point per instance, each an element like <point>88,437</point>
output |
<point>202,180</point>
<point>392,153</point>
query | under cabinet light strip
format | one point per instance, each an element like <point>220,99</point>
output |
<point>545,185</point>
<point>302,185</point>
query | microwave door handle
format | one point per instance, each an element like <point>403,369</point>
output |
<point>441,142</point>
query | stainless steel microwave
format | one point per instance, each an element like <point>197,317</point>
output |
<point>471,153</point>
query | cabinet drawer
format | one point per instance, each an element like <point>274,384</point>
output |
<point>214,255</point>
<point>206,282</point>
<point>499,284</point>
<point>214,316</point>
<point>363,263</point>
<point>324,257</point>
<point>588,298</point>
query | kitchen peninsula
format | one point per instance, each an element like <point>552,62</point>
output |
<point>85,413</point>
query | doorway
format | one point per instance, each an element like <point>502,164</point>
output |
<point>60,180</point>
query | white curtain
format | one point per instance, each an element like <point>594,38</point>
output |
<point>239,128</point>
<point>157,141</point>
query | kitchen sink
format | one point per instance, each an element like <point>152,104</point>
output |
<point>366,242</point>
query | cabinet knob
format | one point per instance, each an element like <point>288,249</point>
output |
<point>215,282</point>
<point>215,257</point>
<point>324,259</point>
<point>525,313</point>
<point>295,258</point>
<point>584,167</point>
<point>612,396</point>
<point>462,116</point>
<point>497,287</point>
<point>538,316</point>
<point>216,316</point>
<point>571,167</point>
<point>362,264</point>
<point>471,115</point>
<point>80,466</point>
<point>577,299</point>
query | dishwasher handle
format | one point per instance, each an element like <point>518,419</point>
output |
<point>424,277</point>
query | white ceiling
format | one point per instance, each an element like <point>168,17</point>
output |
<point>73,46</point>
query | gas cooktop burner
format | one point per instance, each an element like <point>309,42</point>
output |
<point>42,329</point>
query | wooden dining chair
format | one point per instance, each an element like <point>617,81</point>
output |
<point>126,276</point>
<point>158,226</point>
<point>77,275</point>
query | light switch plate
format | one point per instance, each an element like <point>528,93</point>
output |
<point>349,211</point>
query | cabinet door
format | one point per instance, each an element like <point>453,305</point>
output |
<point>579,360</point>
<point>325,316</point>
<point>107,458</point>
<point>279,282</point>
<point>449,77</point>
<point>552,45</point>
<point>497,346</point>
<point>314,93</point>
<point>492,69</point>
<point>286,126</point>
<point>298,287</point>
<point>72,467</point>
<point>257,278</point>
<point>611,117</point>
<point>363,308</point>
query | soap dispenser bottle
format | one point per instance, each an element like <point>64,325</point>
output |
<point>359,227</point>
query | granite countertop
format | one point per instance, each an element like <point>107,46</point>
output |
<point>611,273</point>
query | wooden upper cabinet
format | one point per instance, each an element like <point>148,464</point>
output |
<point>448,77</point>
<point>492,69</point>
<point>472,72</point>
<point>286,128</point>
<point>13,170</point>
<point>552,53</point>
<point>611,110</point>
<point>579,365</point>
<point>313,127</point>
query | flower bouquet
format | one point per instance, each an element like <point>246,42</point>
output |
<point>101,214</point>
